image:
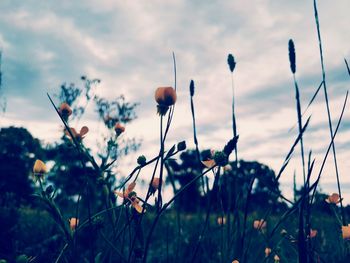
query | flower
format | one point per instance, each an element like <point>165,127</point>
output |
<point>119,129</point>
<point>209,163</point>
<point>333,199</point>
<point>267,251</point>
<point>276,258</point>
<point>73,223</point>
<point>78,136</point>
<point>155,184</point>
<point>221,220</point>
<point>39,168</point>
<point>130,195</point>
<point>235,261</point>
<point>313,233</point>
<point>346,231</point>
<point>165,97</point>
<point>259,224</point>
<point>65,110</point>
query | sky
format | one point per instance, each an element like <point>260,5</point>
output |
<point>129,45</point>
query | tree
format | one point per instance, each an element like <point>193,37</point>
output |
<point>264,188</point>
<point>18,151</point>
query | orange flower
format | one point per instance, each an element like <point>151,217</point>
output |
<point>65,110</point>
<point>267,251</point>
<point>155,184</point>
<point>333,199</point>
<point>78,136</point>
<point>119,129</point>
<point>73,223</point>
<point>346,231</point>
<point>313,233</point>
<point>165,96</point>
<point>221,220</point>
<point>259,224</point>
<point>39,168</point>
<point>131,196</point>
<point>209,163</point>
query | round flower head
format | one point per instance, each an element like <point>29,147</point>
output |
<point>313,233</point>
<point>345,231</point>
<point>276,258</point>
<point>235,261</point>
<point>119,129</point>
<point>259,224</point>
<point>221,220</point>
<point>65,110</point>
<point>39,168</point>
<point>165,97</point>
<point>155,184</point>
<point>73,223</point>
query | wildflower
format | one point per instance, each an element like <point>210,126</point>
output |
<point>333,199</point>
<point>267,251</point>
<point>346,231</point>
<point>209,163</point>
<point>259,224</point>
<point>65,110</point>
<point>165,97</point>
<point>39,168</point>
<point>155,184</point>
<point>119,129</point>
<point>73,223</point>
<point>78,136</point>
<point>130,195</point>
<point>221,220</point>
<point>276,258</point>
<point>235,261</point>
<point>313,233</point>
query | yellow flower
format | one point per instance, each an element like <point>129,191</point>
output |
<point>209,163</point>
<point>313,233</point>
<point>78,136</point>
<point>267,251</point>
<point>259,224</point>
<point>221,220</point>
<point>73,223</point>
<point>155,184</point>
<point>165,96</point>
<point>39,168</point>
<point>131,196</point>
<point>65,110</point>
<point>346,231</point>
<point>119,129</point>
<point>333,199</point>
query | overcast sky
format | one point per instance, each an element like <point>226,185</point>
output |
<point>129,45</point>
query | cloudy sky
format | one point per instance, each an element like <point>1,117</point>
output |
<point>129,45</point>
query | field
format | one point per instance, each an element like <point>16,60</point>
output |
<point>65,202</point>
